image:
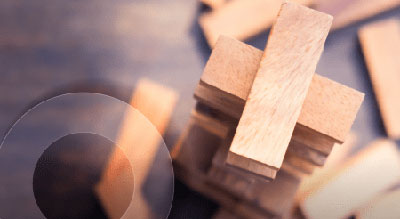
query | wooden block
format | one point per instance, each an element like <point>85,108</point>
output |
<point>386,205</point>
<point>241,19</point>
<point>353,184</point>
<point>350,11</point>
<point>214,4</point>
<point>329,108</point>
<point>297,163</point>
<point>279,89</point>
<point>381,46</point>
<point>156,103</point>
<point>224,214</point>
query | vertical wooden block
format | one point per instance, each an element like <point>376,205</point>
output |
<point>279,89</point>
<point>381,45</point>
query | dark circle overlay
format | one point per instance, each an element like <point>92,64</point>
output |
<point>70,114</point>
<point>67,173</point>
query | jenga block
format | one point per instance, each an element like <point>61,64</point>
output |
<point>156,103</point>
<point>357,181</point>
<point>241,19</point>
<point>328,111</point>
<point>381,45</point>
<point>279,88</point>
<point>385,206</point>
<point>297,163</point>
<point>347,12</point>
<point>224,214</point>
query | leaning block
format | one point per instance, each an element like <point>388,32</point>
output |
<point>328,111</point>
<point>279,89</point>
<point>353,184</point>
<point>381,45</point>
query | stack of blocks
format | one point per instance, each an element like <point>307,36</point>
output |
<point>263,120</point>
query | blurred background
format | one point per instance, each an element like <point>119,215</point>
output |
<point>52,47</point>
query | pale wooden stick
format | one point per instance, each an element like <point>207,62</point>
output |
<point>381,45</point>
<point>279,88</point>
<point>354,183</point>
<point>156,103</point>
<point>385,206</point>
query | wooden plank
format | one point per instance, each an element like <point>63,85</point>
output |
<point>279,88</point>
<point>306,153</point>
<point>214,4</point>
<point>353,184</point>
<point>385,206</point>
<point>381,46</point>
<point>350,11</point>
<point>156,102</point>
<point>241,19</point>
<point>329,108</point>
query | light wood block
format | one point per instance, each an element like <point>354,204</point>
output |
<point>156,102</point>
<point>328,111</point>
<point>385,206</point>
<point>381,46</point>
<point>241,19</point>
<point>279,89</point>
<point>346,12</point>
<point>353,184</point>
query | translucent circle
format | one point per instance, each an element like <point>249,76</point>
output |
<point>87,113</point>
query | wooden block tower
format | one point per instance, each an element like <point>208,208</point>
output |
<point>263,120</point>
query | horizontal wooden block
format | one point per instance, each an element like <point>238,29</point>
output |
<point>328,111</point>
<point>353,184</point>
<point>241,19</point>
<point>279,89</point>
<point>381,46</point>
<point>306,153</point>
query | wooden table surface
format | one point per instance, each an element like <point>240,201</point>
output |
<point>50,47</point>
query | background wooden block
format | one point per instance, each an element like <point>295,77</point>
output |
<point>387,205</point>
<point>354,183</point>
<point>241,19</point>
<point>381,45</point>
<point>279,88</point>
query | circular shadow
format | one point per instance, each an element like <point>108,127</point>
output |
<point>66,175</point>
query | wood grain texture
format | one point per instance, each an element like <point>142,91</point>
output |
<point>372,171</point>
<point>346,12</point>
<point>279,88</point>
<point>241,19</point>
<point>228,77</point>
<point>381,46</point>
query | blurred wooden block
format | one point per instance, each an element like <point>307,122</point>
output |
<point>385,206</point>
<point>214,4</point>
<point>156,103</point>
<point>328,111</point>
<point>306,153</point>
<point>350,11</point>
<point>381,45</point>
<point>353,184</point>
<point>224,214</point>
<point>279,89</point>
<point>241,19</point>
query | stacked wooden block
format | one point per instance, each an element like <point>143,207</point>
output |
<point>264,119</point>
